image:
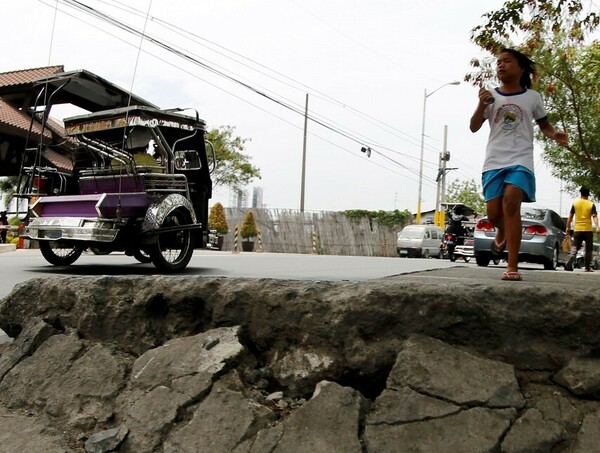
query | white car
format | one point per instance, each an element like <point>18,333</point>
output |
<point>420,241</point>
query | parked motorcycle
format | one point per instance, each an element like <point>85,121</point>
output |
<point>449,244</point>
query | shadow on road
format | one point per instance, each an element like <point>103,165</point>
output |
<point>112,269</point>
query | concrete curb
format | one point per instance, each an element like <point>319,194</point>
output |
<point>7,248</point>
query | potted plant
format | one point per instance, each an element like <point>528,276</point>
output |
<point>217,220</point>
<point>248,231</point>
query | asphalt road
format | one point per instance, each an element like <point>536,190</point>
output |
<point>22,265</point>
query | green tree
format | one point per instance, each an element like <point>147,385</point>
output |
<point>233,167</point>
<point>389,218</point>
<point>556,34</point>
<point>573,98</point>
<point>466,192</point>
<point>249,228</point>
<point>8,186</point>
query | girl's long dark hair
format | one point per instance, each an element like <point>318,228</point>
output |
<point>525,63</point>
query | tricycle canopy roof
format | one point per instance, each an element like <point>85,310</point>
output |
<point>132,116</point>
<point>88,91</point>
<point>460,209</point>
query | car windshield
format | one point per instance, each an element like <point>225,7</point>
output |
<point>533,213</point>
<point>411,233</point>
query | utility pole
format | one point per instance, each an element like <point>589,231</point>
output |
<point>443,195</point>
<point>425,96</point>
<point>304,156</point>
<point>438,194</point>
<point>440,215</point>
<point>440,203</point>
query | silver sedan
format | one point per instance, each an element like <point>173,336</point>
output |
<point>543,233</point>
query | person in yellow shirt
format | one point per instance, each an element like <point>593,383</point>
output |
<point>584,212</point>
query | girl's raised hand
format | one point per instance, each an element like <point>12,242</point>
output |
<point>562,138</point>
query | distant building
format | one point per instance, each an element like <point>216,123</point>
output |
<point>241,199</point>
<point>257,197</point>
<point>238,199</point>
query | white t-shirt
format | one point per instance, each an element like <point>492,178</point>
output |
<point>511,119</point>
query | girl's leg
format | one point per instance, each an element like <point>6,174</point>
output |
<point>496,217</point>
<point>513,230</point>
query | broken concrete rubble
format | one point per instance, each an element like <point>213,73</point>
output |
<point>130,364</point>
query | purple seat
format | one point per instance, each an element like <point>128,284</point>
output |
<point>111,184</point>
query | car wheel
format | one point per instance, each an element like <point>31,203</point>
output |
<point>552,263</point>
<point>173,249</point>
<point>60,254</point>
<point>482,260</point>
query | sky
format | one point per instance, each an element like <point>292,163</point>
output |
<point>364,67</point>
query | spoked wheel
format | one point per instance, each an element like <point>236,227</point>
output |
<point>60,253</point>
<point>142,256</point>
<point>173,249</point>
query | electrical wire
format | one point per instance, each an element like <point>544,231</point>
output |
<point>186,56</point>
<point>294,83</point>
<point>319,94</point>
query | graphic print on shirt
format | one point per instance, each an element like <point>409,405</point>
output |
<point>509,116</point>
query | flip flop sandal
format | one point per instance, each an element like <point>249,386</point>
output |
<point>496,248</point>
<point>512,276</point>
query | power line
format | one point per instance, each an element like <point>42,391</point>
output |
<point>300,86</point>
<point>195,60</point>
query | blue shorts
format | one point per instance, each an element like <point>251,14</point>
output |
<point>493,182</point>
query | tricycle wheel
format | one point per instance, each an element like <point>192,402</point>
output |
<point>173,249</point>
<point>142,256</point>
<point>97,251</point>
<point>59,253</point>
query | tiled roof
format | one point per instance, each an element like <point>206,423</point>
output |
<point>17,122</point>
<point>59,160</point>
<point>58,129</point>
<point>25,76</point>
<point>13,120</point>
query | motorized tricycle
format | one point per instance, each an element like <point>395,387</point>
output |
<point>140,184</point>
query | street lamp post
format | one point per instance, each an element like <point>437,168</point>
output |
<point>425,96</point>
